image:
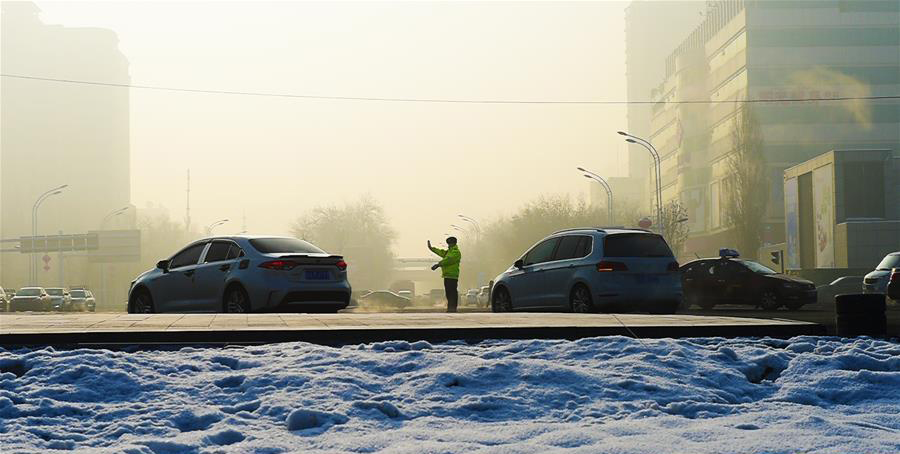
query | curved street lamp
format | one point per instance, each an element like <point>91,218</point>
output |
<point>34,209</point>
<point>210,227</point>
<point>112,214</point>
<point>609,195</point>
<point>656,160</point>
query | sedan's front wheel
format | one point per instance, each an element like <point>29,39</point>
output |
<point>142,304</point>
<point>501,301</point>
<point>236,301</point>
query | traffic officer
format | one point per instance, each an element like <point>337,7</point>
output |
<point>449,266</point>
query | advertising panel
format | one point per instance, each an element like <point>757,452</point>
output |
<point>792,224</point>
<point>823,215</point>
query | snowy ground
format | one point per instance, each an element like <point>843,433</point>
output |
<point>611,394</point>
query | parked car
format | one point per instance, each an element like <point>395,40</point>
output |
<point>589,270</point>
<point>472,297</point>
<point>893,288</point>
<point>484,296</point>
<point>81,300</point>
<point>731,280</point>
<point>877,280</point>
<point>385,298</point>
<point>59,298</point>
<point>405,293</point>
<point>30,299</point>
<point>244,274</point>
<point>4,300</point>
<point>845,284</point>
<point>437,295</point>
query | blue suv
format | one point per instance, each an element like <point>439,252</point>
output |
<point>592,270</point>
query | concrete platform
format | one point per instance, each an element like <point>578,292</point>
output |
<point>333,329</point>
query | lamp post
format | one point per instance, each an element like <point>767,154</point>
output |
<point>475,224</point>
<point>609,195</point>
<point>103,267</point>
<point>34,209</point>
<point>210,227</point>
<point>649,146</point>
<point>112,214</point>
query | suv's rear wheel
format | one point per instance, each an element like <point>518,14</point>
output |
<point>501,301</point>
<point>236,301</point>
<point>580,300</point>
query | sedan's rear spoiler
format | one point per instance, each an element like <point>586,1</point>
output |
<point>312,259</point>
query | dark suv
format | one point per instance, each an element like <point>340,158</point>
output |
<point>730,280</point>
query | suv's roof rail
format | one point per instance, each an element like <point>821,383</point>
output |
<point>573,229</point>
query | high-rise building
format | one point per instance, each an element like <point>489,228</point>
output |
<point>652,29</point>
<point>752,50</point>
<point>58,133</point>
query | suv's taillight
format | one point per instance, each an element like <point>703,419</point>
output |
<point>611,266</point>
<point>895,276</point>
<point>342,265</point>
<point>672,267</point>
<point>281,265</point>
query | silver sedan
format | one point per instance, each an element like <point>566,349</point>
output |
<point>244,274</point>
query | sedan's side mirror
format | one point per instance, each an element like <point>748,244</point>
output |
<point>519,264</point>
<point>163,265</point>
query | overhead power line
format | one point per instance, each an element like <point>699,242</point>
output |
<point>434,100</point>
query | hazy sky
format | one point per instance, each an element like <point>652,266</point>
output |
<point>271,158</point>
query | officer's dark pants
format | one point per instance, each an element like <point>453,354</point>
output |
<point>452,293</point>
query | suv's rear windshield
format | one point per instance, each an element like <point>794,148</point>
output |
<point>77,293</point>
<point>29,292</point>
<point>284,246</point>
<point>635,245</point>
<point>55,291</point>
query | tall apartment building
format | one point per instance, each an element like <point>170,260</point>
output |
<point>751,50</point>
<point>56,133</point>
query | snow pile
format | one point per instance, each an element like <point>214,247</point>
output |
<point>611,394</point>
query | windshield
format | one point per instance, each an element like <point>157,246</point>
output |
<point>77,293</point>
<point>757,268</point>
<point>29,292</point>
<point>889,262</point>
<point>55,291</point>
<point>284,246</point>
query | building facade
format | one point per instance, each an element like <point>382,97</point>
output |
<point>56,133</point>
<point>766,50</point>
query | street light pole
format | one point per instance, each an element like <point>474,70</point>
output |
<point>656,160</point>
<point>609,194</point>
<point>103,267</point>
<point>474,223</point>
<point>34,208</point>
<point>210,227</point>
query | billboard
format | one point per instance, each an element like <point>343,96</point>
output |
<point>792,224</point>
<point>823,215</point>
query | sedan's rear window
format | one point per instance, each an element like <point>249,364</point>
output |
<point>77,294</point>
<point>284,246</point>
<point>635,245</point>
<point>55,291</point>
<point>29,292</point>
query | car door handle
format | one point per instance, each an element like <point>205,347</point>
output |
<point>188,273</point>
<point>225,267</point>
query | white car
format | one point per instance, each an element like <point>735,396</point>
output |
<point>472,297</point>
<point>244,274</point>
<point>877,281</point>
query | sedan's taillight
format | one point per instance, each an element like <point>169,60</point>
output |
<point>672,267</point>
<point>611,266</point>
<point>281,265</point>
<point>342,265</point>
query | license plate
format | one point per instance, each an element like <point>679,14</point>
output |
<point>647,279</point>
<point>316,275</point>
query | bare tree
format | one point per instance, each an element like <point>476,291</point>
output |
<point>746,187</point>
<point>674,223</point>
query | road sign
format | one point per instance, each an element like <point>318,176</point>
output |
<point>645,223</point>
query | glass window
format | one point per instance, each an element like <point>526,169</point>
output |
<point>189,256</point>
<point>78,294</point>
<point>234,252</point>
<point>55,291</point>
<point>543,252</point>
<point>572,247</point>
<point>757,268</point>
<point>29,292</point>
<point>635,245</point>
<point>889,262</point>
<point>284,245</point>
<point>218,251</point>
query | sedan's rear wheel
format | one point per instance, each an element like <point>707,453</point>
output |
<point>502,302</point>
<point>236,301</point>
<point>580,300</point>
<point>142,304</point>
